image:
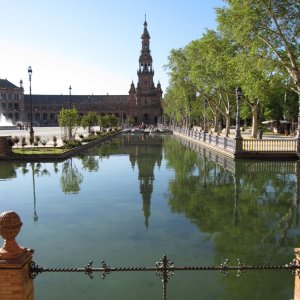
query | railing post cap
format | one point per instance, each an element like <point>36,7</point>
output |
<point>10,226</point>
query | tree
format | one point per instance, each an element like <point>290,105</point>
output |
<point>108,121</point>
<point>212,73</point>
<point>269,29</point>
<point>129,121</point>
<point>181,89</point>
<point>89,120</point>
<point>68,120</point>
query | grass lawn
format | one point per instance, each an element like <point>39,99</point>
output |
<point>39,150</point>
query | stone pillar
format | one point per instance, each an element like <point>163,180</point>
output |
<point>15,283</point>
<point>238,146</point>
<point>5,147</point>
<point>297,277</point>
<point>298,146</point>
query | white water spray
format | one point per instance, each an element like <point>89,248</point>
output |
<point>4,121</point>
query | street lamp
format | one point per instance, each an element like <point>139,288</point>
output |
<point>30,97</point>
<point>70,104</point>
<point>238,92</point>
<point>205,104</point>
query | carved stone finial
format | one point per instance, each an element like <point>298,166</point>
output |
<point>10,225</point>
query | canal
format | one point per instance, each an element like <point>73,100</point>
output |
<point>135,198</point>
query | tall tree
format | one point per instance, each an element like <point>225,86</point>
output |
<point>269,29</point>
<point>183,89</point>
<point>212,73</point>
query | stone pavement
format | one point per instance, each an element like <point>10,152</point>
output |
<point>46,133</point>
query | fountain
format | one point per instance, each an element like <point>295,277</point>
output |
<point>6,124</point>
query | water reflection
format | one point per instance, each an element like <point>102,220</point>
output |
<point>259,226</point>
<point>207,204</point>
<point>145,152</point>
<point>71,178</point>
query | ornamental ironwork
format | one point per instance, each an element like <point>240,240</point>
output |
<point>165,269</point>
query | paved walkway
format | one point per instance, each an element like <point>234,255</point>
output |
<point>46,133</point>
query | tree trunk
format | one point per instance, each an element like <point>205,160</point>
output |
<point>254,111</point>
<point>227,120</point>
<point>216,122</point>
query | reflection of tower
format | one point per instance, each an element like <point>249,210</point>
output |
<point>35,216</point>
<point>146,152</point>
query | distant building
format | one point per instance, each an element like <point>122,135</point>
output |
<point>11,100</point>
<point>143,103</point>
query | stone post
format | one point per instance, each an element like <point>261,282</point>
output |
<point>297,277</point>
<point>5,147</point>
<point>15,283</point>
<point>298,146</point>
<point>238,144</point>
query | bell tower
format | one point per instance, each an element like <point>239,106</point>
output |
<point>145,98</point>
<point>145,72</point>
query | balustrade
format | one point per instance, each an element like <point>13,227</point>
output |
<point>231,145</point>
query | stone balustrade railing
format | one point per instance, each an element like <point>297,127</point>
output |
<point>270,145</point>
<point>240,147</point>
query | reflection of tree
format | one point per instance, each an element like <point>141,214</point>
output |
<point>262,205</point>
<point>8,170</point>
<point>108,148</point>
<point>70,179</point>
<point>90,163</point>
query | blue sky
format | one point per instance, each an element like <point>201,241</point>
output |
<point>93,45</point>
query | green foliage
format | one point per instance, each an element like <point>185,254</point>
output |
<point>129,121</point>
<point>108,121</point>
<point>68,120</point>
<point>267,29</point>
<point>69,144</point>
<point>256,47</point>
<point>89,120</point>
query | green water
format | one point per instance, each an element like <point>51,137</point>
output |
<point>136,198</point>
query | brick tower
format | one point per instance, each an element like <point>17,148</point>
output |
<point>145,99</point>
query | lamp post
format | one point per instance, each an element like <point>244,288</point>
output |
<point>238,92</point>
<point>31,132</point>
<point>70,102</point>
<point>205,104</point>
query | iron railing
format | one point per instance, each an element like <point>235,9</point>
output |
<point>165,269</point>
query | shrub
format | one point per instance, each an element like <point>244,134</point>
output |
<point>69,144</point>
<point>23,141</point>
<point>10,141</point>
<point>16,139</point>
<point>54,139</point>
<point>37,139</point>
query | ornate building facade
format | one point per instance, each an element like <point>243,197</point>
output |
<point>143,103</point>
